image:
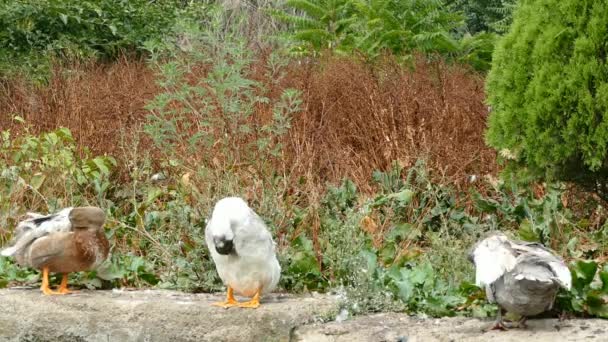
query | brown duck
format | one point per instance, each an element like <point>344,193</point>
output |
<point>71,240</point>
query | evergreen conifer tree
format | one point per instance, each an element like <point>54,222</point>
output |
<point>548,89</point>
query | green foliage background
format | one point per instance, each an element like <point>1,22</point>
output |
<point>34,32</point>
<point>548,88</point>
<point>485,15</point>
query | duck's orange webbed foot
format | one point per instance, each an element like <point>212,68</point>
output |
<point>46,290</point>
<point>254,303</point>
<point>230,301</point>
<point>63,288</point>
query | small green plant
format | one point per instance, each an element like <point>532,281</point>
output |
<point>408,235</point>
<point>215,113</point>
<point>537,219</point>
<point>301,270</point>
<point>589,294</point>
<point>46,172</point>
<point>11,273</point>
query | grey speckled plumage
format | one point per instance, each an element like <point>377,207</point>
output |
<point>521,277</point>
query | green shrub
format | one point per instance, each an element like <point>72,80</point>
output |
<point>33,32</point>
<point>548,89</point>
<point>372,26</point>
<point>485,15</point>
<point>47,172</point>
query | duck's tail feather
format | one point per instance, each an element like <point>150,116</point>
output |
<point>32,215</point>
<point>34,226</point>
<point>22,232</point>
<point>23,240</point>
<point>9,251</point>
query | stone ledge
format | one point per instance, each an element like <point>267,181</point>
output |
<point>403,328</point>
<point>152,315</point>
<point>157,315</point>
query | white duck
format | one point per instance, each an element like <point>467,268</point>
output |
<point>521,277</point>
<point>243,252</point>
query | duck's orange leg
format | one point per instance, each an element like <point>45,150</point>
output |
<point>254,303</point>
<point>230,301</point>
<point>46,290</point>
<point>63,288</point>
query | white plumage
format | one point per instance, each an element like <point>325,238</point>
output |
<point>38,225</point>
<point>243,251</point>
<point>492,259</point>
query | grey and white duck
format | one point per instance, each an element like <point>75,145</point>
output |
<point>520,277</point>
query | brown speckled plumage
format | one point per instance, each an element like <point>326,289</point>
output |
<point>75,251</point>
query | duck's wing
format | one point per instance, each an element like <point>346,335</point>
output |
<point>252,239</point>
<point>50,247</point>
<point>537,269</point>
<point>492,257</point>
<point>562,273</point>
<point>525,247</point>
<point>536,253</point>
<point>36,226</point>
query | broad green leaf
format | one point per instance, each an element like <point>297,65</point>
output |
<point>137,264</point>
<point>406,289</point>
<point>37,180</point>
<point>604,278</point>
<point>101,165</point>
<point>404,197</point>
<point>387,253</point>
<point>149,278</point>
<point>65,134</point>
<point>584,271</point>
<point>400,232</point>
<point>526,231</point>
<point>112,28</point>
<point>486,204</point>
<point>597,305</point>
<point>370,258</point>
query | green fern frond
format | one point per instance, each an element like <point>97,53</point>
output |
<point>309,8</point>
<point>297,21</point>
<point>318,37</point>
